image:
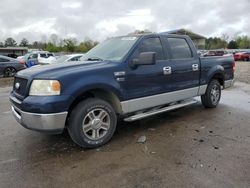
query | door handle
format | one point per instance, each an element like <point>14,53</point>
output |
<point>167,70</point>
<point>195,67</point>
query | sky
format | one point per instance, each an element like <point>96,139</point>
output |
<point>36,20</point>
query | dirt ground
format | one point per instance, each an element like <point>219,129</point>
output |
<point>189,147</point>
<point>5,82</point>
<point>243,71</point>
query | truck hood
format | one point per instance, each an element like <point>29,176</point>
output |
<point>58,69</point>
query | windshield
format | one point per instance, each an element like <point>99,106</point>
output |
<point>25,58</point>
<point>113,49</point>
<point>62,59</point>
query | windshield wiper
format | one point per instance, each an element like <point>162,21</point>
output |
<point>94,59</point>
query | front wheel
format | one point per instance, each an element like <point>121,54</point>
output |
<point>212,96</point>
<point>92,123</point>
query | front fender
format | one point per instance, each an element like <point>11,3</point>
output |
<point>78,87</point>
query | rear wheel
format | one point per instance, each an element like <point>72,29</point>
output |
<point>9,72</point>
<point>212,96</point>
<point>92,123</point>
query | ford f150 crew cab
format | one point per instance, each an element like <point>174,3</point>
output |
<point>128,77</point>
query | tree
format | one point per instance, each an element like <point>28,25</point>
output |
<point>141,32</point>
<point>1,44</point>
<point>10,42</point>
<point>82,47</point>
<point>35,44</point>
<point>232,45</point>
<point>70,44</point>
<point>215,43</point>
<point>53,39</point>
<point>51,47</point>
<point>243,42</point>
<point>24,42</point>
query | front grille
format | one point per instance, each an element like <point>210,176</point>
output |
<point>20,86</point>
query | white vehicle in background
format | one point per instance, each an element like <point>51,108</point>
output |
<point>39,57</point>
<point>45,57</point>
<point>69,58</point>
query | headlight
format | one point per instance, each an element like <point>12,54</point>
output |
<point>45,87</point>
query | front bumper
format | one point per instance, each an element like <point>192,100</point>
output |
<point>53,123</point>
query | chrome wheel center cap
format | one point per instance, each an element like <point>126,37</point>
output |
<point>96,124</point>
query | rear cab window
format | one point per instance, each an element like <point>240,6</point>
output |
<point>179,48</point>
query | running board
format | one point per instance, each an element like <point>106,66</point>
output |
<point>160,110</point>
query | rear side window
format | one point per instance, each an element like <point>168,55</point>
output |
<point>43,55</point>
<point>150,45</point>
<point>4,60</point>
<point>50,55</point>
<point>179,48</point>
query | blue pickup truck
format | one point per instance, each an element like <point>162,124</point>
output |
<point>129,77</point>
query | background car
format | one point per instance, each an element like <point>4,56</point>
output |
<point>214,53</point>
<point>9,66</point>
<point>69,58</point>
<point>242,56</point>
<point>38,57</point>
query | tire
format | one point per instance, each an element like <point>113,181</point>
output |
<point>92,123</point>
<point>9,72</point>
<point>212,96</point>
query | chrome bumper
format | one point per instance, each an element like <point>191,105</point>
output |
<point>228,83</point>
<point>50,123</point>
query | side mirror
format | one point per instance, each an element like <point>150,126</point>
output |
<point>145,58</point>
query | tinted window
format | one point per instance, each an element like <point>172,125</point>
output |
<point>179,48</point>
<point>150,45</point>
<point>4,60</point>
<point>33,56</point>
<point>77,58</point>
<point>43,55</point>
<point>50,55</point>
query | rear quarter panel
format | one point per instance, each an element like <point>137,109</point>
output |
<point>213,65</point>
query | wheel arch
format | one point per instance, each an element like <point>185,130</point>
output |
<point>217,73</point>
<point>101,93</point>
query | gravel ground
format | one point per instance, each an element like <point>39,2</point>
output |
<point>189,147</point>
<point>5,82</point>
<point>243,71</point>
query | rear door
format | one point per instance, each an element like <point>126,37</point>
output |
<point>184,65</point>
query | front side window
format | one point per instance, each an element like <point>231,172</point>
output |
<point>179,48</point>
<point>150,45</point>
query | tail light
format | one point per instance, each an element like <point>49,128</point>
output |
<point>22,62</point>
